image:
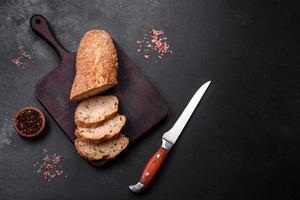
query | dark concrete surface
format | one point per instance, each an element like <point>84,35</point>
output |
<point>243,142</point>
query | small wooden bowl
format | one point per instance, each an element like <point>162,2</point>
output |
<point>33,135</point>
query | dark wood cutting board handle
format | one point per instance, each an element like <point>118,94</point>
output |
<point>40,25</point>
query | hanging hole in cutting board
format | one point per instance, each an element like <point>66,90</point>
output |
<point>38,21</point>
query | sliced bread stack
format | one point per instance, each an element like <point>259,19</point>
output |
<point>99,128</point>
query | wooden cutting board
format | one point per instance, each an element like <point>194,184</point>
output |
<point>139,101</point>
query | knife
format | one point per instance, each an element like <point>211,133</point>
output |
<point>168,140</point>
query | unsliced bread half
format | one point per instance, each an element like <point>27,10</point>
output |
<point>108,149</point>
<point>96,65</point>
<point>107,130</point>
<point>92,112</point>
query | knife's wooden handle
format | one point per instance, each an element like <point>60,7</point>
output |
<point>151,168</point>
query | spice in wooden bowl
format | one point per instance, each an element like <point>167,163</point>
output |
<point>29,122</point>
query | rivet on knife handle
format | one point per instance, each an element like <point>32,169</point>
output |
<point>152,167</point>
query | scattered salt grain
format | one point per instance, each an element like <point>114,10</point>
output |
<point>154,43</point>
<point>50,166</point>
<point>21,60</point>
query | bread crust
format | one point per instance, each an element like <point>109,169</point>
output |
<point>104,155</point>
<point>96,65</point>
<point>106,136</point>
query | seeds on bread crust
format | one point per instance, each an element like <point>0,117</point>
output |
<point>108,149</point>
<point>96,65</point>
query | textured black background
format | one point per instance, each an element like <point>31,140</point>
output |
<point>243,142</point>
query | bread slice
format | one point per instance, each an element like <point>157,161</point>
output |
<point>107,130</point>
<point>92,112</point>
<point>96,65</point>
<point>105,150</point>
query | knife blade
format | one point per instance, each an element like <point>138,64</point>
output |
<point>168,140</point>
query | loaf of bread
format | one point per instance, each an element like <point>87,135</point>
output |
<point>107,130</point>
<point>96,65</point>
<point>108,149</point>
<point>92,112</point>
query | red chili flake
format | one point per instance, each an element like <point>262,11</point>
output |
<point>155,43</point>
<point>50,166</point>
